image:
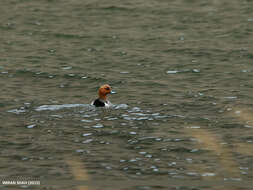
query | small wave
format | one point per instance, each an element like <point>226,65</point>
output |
<point>58,107</point>
<point>17,111</point>
<point>120,106</point>
<point>63,106</point>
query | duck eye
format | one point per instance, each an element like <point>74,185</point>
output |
<point>107,88</point>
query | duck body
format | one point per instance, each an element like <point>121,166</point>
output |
<point>98,103</point>
<point>102,101</point>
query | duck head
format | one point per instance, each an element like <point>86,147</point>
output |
<point>103,91</point>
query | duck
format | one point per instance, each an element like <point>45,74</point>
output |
<point>102,100</point>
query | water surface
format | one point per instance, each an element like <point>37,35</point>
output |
<point>182,71</point>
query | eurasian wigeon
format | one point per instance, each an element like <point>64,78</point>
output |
<point>102,101</point>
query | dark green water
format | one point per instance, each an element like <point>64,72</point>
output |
<point>183,67</point>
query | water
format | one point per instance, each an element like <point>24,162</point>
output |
<point>183,112</point>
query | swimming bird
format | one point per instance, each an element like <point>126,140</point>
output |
<point>102,101</point>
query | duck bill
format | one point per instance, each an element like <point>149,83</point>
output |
<point>112,92</point>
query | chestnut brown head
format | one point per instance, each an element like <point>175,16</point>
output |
<point>103,91</point>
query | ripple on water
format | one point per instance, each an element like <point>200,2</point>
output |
<point>31,126</point>
<point>67,68</point>
<point>208,174</point>
<point>120,106</point>
<point>172,72</point>
<point>87,134</point>
<point>57,116</point>
<point>98,126</point>
<point>86,120</point>
<point>17,111</point>
<point>87,141</point>
<point>112,118</point>
<point>89,115</point>
<point>124,72</point>
<point>142,118</point>
<point>139,114</point>
<point>134,115</point>
<point>82,151</point>
<point>63,106</point>
<point>58,107</point>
